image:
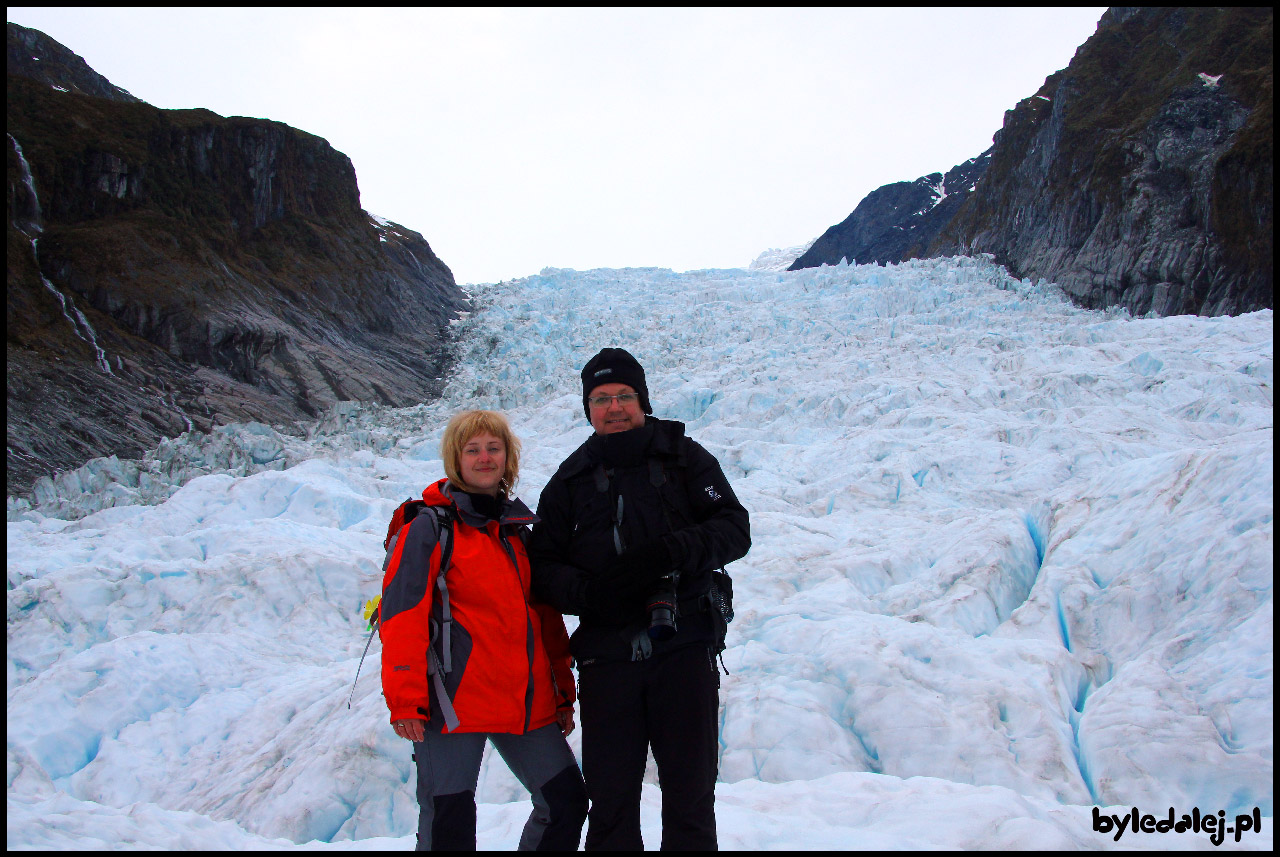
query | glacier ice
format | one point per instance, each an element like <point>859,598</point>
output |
<point>1011,560</point>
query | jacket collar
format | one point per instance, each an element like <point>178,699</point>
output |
<point>444,493</point>
<point>665,441</point>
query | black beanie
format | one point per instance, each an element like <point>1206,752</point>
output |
<point>614,366</point>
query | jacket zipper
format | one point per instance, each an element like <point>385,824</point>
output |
<point>530,644</point>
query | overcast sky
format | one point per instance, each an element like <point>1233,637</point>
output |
<point>516,139</point>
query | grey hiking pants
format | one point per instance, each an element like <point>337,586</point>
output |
<point>449,769</point>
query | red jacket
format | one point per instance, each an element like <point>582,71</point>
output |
<point>510,658</point>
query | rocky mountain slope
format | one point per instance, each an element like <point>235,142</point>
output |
<point>897,221</point>
<point>1140,175</point>
<point>175,269</point>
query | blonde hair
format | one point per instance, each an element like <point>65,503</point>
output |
<point>466,425</point>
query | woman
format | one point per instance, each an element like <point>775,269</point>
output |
<point>473,659</point>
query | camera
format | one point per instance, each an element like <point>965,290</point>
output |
<point>662,608</point>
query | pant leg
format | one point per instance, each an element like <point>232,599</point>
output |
<point>543,763</point>
<point>615,747</point>
<point>448,771</point>
<point>684,730</point>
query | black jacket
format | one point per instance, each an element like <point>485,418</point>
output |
<point>671,488</point>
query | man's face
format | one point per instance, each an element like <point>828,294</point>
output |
<point>614,416</point>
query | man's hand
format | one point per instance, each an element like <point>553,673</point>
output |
<point>564,716</point>
<point>618,590</point>
<point>410,730</point>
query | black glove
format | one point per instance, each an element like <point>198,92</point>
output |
<point>618,592</point>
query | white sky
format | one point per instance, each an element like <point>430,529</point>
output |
<point>515,139</point>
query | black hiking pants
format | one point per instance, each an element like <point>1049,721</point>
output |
<point>669,702</point>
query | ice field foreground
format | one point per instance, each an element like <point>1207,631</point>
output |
<point>1012,561</point>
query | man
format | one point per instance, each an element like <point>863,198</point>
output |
<point>631,527</point>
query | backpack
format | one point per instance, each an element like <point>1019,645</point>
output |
<point>721,609</point>
<point>437,664</point>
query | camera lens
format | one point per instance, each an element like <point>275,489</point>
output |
<point>662,623</point>
<point>662,609</point>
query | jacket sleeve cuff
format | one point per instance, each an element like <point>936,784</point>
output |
<point>406,712</point>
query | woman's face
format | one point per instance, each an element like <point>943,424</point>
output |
<point>483,461</point>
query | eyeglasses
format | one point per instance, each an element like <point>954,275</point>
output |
<point>623,399</point>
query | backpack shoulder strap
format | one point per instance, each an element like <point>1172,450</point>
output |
<point>440,665</point>
<point>444,537</point>
<point>657,473</point>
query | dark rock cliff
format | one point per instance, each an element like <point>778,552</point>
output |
<point>33,54</point>
<point>1139,176</point>
<point>175,269</point>
<point>897,221</point>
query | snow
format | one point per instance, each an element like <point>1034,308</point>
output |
<point>775,259</point>
<point>941,190</point>
<point>1011,567</point>
<point>382,225</point>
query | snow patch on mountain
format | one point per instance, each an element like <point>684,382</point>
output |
<point>775,259</point>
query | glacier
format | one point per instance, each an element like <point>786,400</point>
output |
<point>1011,567</point>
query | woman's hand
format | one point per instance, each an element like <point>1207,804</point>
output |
<point>564,716</point>
<point>415,729</point>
